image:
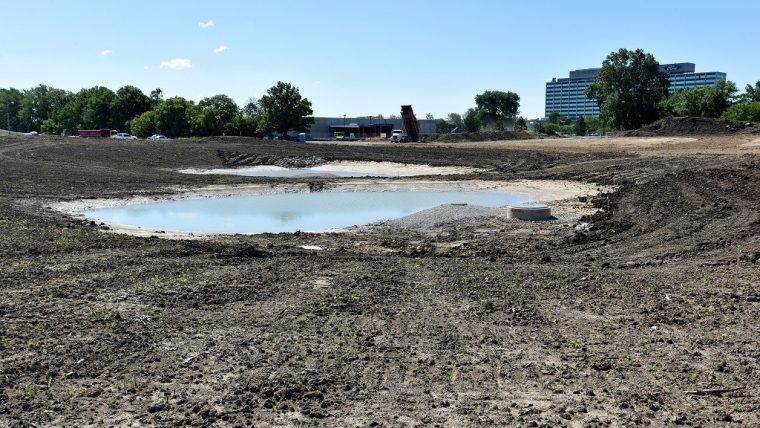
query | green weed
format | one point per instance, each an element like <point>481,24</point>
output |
<point>62,240</point>
<point>30,390</point>
<point>451,376</point>
<point>278,401</point>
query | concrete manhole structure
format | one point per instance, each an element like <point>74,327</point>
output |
<point>529,212</point>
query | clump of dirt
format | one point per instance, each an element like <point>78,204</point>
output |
<point>235,159</point>
<point>480,136</point>
<point>677,126</point>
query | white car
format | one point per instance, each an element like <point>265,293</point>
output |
<point>123,136</point>
<point>159,137</point>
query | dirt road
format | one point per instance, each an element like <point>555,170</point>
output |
<point>647,315</point>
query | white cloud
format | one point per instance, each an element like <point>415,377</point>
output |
<point>206,24</point>
<point>177,64</point>
<point>221,49</point>
<point>106,52</point>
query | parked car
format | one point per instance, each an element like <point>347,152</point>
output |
<point>123,136</point>
<point>159,137</point>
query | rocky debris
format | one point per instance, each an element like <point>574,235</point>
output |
<point>237,159</point>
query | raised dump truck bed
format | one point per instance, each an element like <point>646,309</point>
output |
<point>410,123</point>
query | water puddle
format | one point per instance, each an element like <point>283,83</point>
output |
<point>290,212</point>
<point>339,169</point>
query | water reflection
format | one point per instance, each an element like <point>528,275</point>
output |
<point>288,212</point>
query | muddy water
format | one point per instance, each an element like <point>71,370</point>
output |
<point>339,169</point>
<point>289,212</point>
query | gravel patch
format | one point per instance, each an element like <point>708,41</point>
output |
<point>443,214</point>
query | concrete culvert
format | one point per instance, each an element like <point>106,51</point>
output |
<point>529,212</point>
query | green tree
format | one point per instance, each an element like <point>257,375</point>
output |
<point>129,103</point>
<point>497,109</point>
<point>67,117</point>
<point>10,106</point>
<point>96,107</point>
<point>429,116</point>
<point>538,126</point>
<point>38,105</point>
<point>593,123</point>
<point>471,121</point>
<point>708,101</point>
<point>580,127</point>
<point>156,96</point>
<point>251,107</point>
<point>145,124</point>
<point>283,109</point>
<point>628,88</point>
<point>557,119</point>
<point>243,125</point>
<point>744,112</point>
<point>214,114</point>
<point>520,124</point>
<point>442,127</point>
<point>174,117</point>
<point>751,94</point>
<point>455,119</point>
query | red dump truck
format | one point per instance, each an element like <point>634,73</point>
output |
<point>94,133</point>
<point>410,123</point>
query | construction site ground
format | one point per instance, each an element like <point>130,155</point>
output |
<point>646,312</point>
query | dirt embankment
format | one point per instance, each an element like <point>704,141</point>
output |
<point>480,136</point>
<point>645,314</point>
<point>687,126</point>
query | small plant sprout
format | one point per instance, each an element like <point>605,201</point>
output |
<point>30,390</point>
<point>452,375</point>
<point>278,401</point>
<point>50,384</point>
<point>61,240</point>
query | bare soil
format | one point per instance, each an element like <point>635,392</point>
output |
<point>647,315</point>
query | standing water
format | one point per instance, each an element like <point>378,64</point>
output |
<point>289,212</point>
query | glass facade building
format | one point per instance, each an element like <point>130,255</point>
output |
<point>567,96</point>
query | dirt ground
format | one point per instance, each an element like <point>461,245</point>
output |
<point>648,315</point>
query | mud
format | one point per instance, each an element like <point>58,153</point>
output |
<point>643,313</point>
<point>678,126</point>
<point>482,136</point>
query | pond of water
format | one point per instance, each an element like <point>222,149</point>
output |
<point>289,212</point>
<point>338,169</point>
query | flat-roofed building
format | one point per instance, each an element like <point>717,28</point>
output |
<point>567,96</point>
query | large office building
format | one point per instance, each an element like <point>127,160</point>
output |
<point>567,96</point>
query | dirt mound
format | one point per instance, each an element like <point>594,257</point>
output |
<point>235,159</point>
<point>479,136</point>
<point>678,126</point>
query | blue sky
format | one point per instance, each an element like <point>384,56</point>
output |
<point>361,58</point>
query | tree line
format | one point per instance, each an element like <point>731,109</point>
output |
<point>51,111</point>
<point>493,111</point>
<point>631,91</point>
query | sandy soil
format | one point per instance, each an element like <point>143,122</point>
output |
<point>390,169</point>
<point>640,145</point>
<point>643,313</point>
